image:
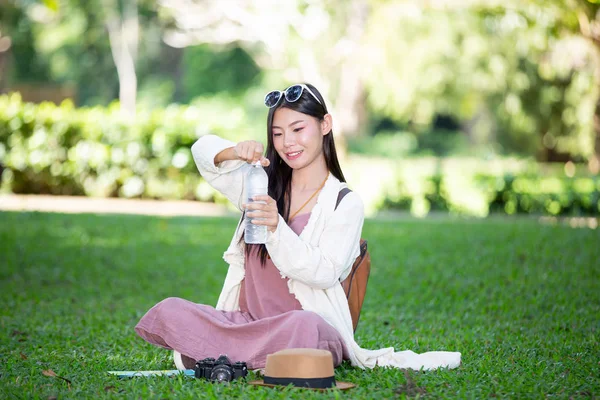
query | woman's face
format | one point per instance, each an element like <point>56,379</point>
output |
<point>298,138</point>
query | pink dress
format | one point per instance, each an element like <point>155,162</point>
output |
<point>270,319</point>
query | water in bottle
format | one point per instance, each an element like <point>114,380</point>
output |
<point>257,183</point>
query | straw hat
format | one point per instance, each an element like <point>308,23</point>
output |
<point>305,368</point>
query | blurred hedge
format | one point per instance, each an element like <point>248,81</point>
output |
<point>94,152</point>
<point>481,194</point>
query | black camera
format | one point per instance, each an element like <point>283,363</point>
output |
<point>220,370</point>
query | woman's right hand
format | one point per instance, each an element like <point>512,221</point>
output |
<point>251,151</point>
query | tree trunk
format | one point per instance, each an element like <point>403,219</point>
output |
<point>350,103</point>
<point>350,100</point>
<point>594,163</point>
<point>589,27</point>
<point>3,69</point>
<point>123,34</point>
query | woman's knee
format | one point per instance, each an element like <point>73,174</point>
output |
<point>307,319</point>
<point>169,304</point>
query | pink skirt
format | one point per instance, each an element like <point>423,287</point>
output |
<point>199,331</point>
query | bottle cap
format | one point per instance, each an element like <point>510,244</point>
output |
<point>257,164</point>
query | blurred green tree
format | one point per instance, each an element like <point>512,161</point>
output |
<point>302,40</point>
<point>511,64</point>
<point>17,33</point>
<point>98,43</point>
<point>518,76</point>
<point>208,70</point>
<point>84,42</point>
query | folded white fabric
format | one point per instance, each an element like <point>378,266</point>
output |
<point>426,361</point>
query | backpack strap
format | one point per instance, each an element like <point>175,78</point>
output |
<point>341,195</point>
<point>363,243</point>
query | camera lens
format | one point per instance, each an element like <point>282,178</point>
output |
<point>221,373</point>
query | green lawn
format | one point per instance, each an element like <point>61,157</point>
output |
<point>520,300</point>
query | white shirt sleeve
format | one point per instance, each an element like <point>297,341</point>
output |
<point>228,176</point>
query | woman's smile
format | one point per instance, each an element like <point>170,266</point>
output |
<point>293,155</point>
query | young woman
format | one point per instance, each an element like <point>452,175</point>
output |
<point>285,293</point>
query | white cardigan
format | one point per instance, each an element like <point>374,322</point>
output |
<point>314,261</point>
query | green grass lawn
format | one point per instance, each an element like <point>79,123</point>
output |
<point>520,300</point>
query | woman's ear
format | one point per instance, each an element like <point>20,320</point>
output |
<point>326,124</point>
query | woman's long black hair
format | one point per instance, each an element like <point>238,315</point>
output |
<point>280,174</point>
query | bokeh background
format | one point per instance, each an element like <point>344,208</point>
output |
<point>470,107</point>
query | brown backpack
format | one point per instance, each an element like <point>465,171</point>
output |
<point>355,284</point>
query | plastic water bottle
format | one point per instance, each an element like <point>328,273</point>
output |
<point>257,183</point>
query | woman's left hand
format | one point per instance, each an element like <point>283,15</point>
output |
<point>267,212</point>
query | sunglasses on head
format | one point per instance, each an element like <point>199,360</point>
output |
<point>291,94</point>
